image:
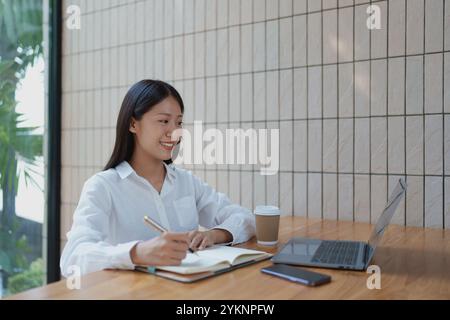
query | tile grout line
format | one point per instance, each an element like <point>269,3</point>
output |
<point>292,171</point>
<point>216,71</point>
<point>205,99</point>
<point>370,123</point>
<point>405,67</point>
<point>279,96</point>
<point>353,120</point>
<point>387,101</point>
<point>307,112</point>
<point>292,111</point>
<point>338,10</point>
<point>281,120</point>
<point>265,85</point>
<point>321,101</point>
<point>423,119</point>
<point>253,100</point>
<point>227,29</point>
<point>443,117</point>
<point>240,101</point>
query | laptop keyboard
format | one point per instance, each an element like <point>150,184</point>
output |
<point>336,252</point>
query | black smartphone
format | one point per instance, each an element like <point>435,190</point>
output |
<point>296,274</point>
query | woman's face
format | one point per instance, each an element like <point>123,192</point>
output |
<point>154,130</point>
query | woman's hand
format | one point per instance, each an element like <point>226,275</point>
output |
<point>202,239</point>
<point>168,249</point>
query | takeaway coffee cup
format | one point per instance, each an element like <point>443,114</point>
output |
<point>267,220</point>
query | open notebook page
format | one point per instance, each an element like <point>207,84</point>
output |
<point>233,255</point>
<point>194,264</point>
<point>212,259</point>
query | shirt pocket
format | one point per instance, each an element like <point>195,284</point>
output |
<point>186,210</point>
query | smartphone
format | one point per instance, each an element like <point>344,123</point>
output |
<point>297,274</point>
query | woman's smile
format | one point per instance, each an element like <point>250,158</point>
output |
<point>167,145</point>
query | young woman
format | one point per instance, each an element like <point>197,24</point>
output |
<point>108,229</point>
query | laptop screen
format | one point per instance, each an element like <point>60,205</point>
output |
<point>385,218</point>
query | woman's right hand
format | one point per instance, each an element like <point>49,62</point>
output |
<point>167,249</point>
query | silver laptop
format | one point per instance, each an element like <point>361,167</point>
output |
<point>353,255</point>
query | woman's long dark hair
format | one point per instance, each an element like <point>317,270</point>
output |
<point>140,98</point>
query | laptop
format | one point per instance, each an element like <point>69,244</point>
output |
<point>352,255</point>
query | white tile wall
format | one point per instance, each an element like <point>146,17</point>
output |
<point>378,196</point>
<point>399,216</point>
<point>259,46</point>
<point>300,145</point>
<point>378,87</point>
<point>434,25</point>
<point>414,85</point>
<point>314,43</point>
<point>447,144</point>
<point>314,92</point>
<point>447,81</point>
<point>433,83</point>
<point>330,135</point>
<point>362,198</point>
<point>447,203</point>
<point>314,145</point>
<point>285,8</point>
<point>433,202</point>
<point>396,36</point>
<point>415,26</point>
<point>285,43</point>
<point>299,6</point>
<point>299,40</point>
<point>396,145</point>
<point>346,135</point>
<point>356,109</point>
<point>273,189</point>
<point>379,36</point>
<point>396,86</point>
<point>345,192</point>
<point>447,26</point>
<point>330,210</point>
<point>234,49</point>
<point>286,94</point>
<point>272,97</point>
<point>286,193</point>
<point>314,5</point>
<point>378,145</point>
<point>362,145</point>
<point>301,194</point>
<point>330,91</point>
<point>345,27</point>
<point>314,195</point>
<point>362,33</point>
<point>346,86</point>
<point>433,144</point>
<point>300,93</point>
<point>414,201</point>
<point>272,54</point>
<point>330,38</point>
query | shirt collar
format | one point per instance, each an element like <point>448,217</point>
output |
<point>124,169</point>
<point>170,171</point>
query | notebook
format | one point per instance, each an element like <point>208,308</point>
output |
<point>208,262</point>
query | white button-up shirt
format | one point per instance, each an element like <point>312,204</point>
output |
<point>108,220</point>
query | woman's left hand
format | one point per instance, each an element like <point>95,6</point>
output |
<point>201,239</point>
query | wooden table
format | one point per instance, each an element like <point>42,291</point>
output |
<point>414,262</point>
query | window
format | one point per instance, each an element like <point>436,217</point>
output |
<point>23,178</point>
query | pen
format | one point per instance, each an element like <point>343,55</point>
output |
<point>159,228</point>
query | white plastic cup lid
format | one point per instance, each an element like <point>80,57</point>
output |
<point>267,210</point>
